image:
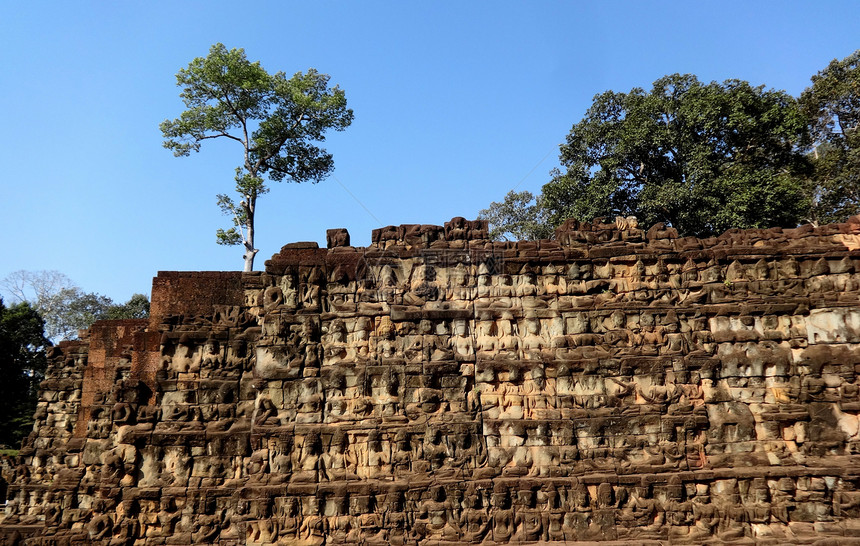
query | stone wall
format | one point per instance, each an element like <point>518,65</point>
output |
<point>438,388</point>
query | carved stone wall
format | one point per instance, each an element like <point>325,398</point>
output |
<point>438,388</point>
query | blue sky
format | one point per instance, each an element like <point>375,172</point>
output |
<point>455,104</point>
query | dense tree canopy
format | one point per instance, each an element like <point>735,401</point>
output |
<point>700,157</point>
<point>704,158</point>
<point>833,106</point>
<point>276,119</point>
<point>22,364</point>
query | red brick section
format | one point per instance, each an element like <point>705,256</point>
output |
<point>111,341</point>
<point>174,293</point>
<point>193,292</point>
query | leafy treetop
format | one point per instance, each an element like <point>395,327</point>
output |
<point>276,119</point>
<point>520,217</point>
<point>701,157</point>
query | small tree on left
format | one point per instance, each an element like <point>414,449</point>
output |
<point>276,119</point>
<point>22,365</point>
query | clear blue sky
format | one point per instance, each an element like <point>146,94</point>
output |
<point>455,104</point>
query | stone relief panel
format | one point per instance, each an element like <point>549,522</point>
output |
<point>612,384</point>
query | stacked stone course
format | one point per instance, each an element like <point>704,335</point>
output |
<point>610,385</point>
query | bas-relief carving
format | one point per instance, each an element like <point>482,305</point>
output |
<point>611,384</point>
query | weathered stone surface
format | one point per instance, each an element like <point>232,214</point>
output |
<point>611,385</point>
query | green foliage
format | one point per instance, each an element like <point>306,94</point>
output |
<point>64,307</point>
<point>833,105</point>
<point>22,364</point>
<point>700,157</point>
<point>277,120</point>
<point>75,310</point>
<point>520,217</point>
<point>137,307</point>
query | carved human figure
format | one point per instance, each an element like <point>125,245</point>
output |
<point>545,456</point>
<point>483,292</point>
<point>100,527</point>
<point>460,290</point>
<point>309,401</point>
<point>313,529</point>
<point>310,289</point>
<point>167,516</point>
<point>401,456</point>
<point>211,354</point>
<point>533,342</point>
<point>265,411</point>
<point>527,520</point>
<point>434,449</point>
<point>127,525</point>
<point>529,293</point>
<point>289,288</point>
<point>388,285</point>
<point>378,463</point>
<point>577,275</point>
<point>359,341</point>
<point>508,347</point>
<point>342,525</point>
<point>370,527</point>
<point>553,285</point>
<point>474,520</point>
<point>336,408</point>
<point>436,514</point>
<point>340,291</point>
<point>307,466</point>
<point>467,450</point>
<point>510,394</point>
<point>339,462</point>
<point>464,348</point>
<point>527,285</point>
<point>758,508</point>
<point>650,336</point>
<point>309,344</point>
<point>290,519</point>
<point>539,393</point>
<point>647,517</point>
<point>282,464</point>
<point>502,514</point>
<point>437,346</point>
<point>335,343</point>
<point>393,519</point>
<point>387,398</point>
<point>520,463</point>
<point>579,332</point>
<point>485,342</point>
<point>617,334</point>
<point>502,292</point>
<point>423,286</point>
<point>183,356</point>
<point>675,342</point>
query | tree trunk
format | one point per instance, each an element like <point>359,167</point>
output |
<point>250,251</point>
<point>249,258</point>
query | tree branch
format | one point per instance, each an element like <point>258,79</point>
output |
<point>286,135</point>
<point>219,135</point>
